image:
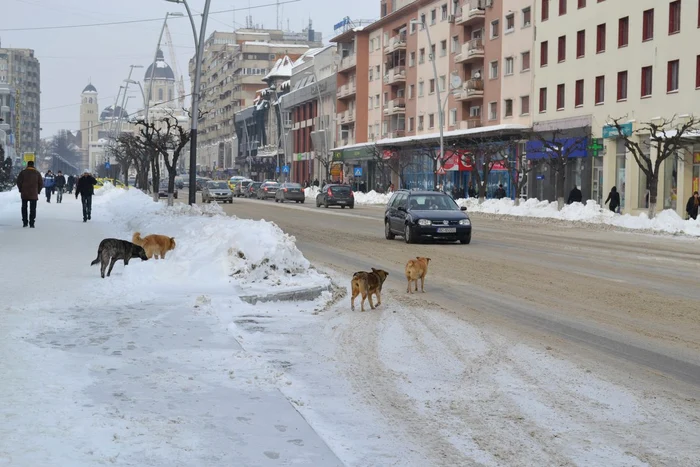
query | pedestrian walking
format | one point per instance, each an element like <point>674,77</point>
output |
<point>60,186</point>
<point>692,206</point>
<point>49,183</point>
<point>614,199</point>
<point>86,188</point>
<point>29,184</point>
<point>71,183</point>
<point>575,196</point>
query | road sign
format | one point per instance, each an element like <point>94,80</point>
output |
<point>441,171</point>
<point>285,169</point>
<point>108,165</point>
<point>595,147</point>
<point>277,170</point>
<point>540,177</point>
<point>357,172</point>
<point>28,156</point>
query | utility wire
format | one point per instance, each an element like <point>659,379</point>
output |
<point>135,21</point>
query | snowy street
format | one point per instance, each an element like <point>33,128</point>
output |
<point>162,364</point>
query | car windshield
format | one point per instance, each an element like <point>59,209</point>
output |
<point>218,185</point>
<point>271,184</point>
<point>431,202</point>
<point>340,190</point>
<point>256,185</point>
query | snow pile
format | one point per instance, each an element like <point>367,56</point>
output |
<point>10,203</point>
<point>666,221</point>
<point>212,248</point>
<point>372,197</point>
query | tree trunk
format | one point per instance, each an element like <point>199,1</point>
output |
<point>653,193</point>
<point>559,187</point>
<point>171,199</point>
<point>435,174</point>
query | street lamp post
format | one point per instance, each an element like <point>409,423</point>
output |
<point>441,119</point>
<point>194,118</point>
<point>153,65</point>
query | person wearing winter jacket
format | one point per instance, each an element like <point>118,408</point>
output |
<point>60,186</point>
<point>86,188</point>
<point>614,199</point>
<point>692,206</point>
<point>49,184</point>
<point>29,184</point>
<point>500,192</point>
<point>71,183</point>
<point>575,196</point>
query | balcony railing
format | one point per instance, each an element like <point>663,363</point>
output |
<point>397,42</point>
<point>471,50</point>
<point>395,75</point>
<point>395,134</point>
<point>471,122</point>
<point>346,117</point>
<point>470,11</point>
<point>395,106</point>
<point>472,89</point>
<point>346,90</point>
<point>347,62</point>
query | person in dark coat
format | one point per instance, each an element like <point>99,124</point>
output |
<point>500,192</point>
<point>471,191</point>
<point>692,206</point>
<point>60,186</point>
<point>575,196</point>
<point>614,199</point>
<point>49,183</point>
<point>86,188</point>
<point>29,184</point>
<point>71,183</point>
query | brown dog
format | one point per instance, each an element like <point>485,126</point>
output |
<point>367,284</point>
<point>416,269</point>
<point>155,245</point>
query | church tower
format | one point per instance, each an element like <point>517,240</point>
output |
<point>89,113</point>
<point>163,83</point>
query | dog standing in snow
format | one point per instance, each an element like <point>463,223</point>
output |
<point>417,269</point>
<point>112,250</point>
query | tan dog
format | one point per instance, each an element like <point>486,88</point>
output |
<point>416,269</point>
<point>367,284</point>
<point>155,245</point>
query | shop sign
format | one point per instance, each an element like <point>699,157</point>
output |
<point>337,155</point>
<point>696,158</point>
<point>538,150</point>
<point>611,131</point>
<point>337,170</point>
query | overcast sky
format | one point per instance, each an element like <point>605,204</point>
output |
<point>70,58</point>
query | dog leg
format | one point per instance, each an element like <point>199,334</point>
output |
<point>422,283</point>
<point>416,285</point>
<point>111,265</point>
<point>103,267</point>
<point>379,298</point>
<point>352,300</point>
<point>369,297</point>
<point>364,297</point>
<point>408,289</point>
<point>162,254</point>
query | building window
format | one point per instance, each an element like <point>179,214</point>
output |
<point>455,44</point>
<point>420,123</point>
<point>527,17</point>
<point>646,81</point>
<point>420,88</point>
<point>622,86</point>
<point>433,16</point>
<point>580,44</point>
<point>422,21</point>
<point>493,69</point>
<point>453,117</point>
<point>545,10</point>
<point>432,53</point>
<point>672,76</point>
<point>674,17</point>
<point>421,56</point>
<point>443,83</point>
<point>623,31</point>
<point>411,90</point>
<point>525,105</point>
<point>371,102</point>
<point>561,49</point>
<point>371,74</point>
<point>648,25</point>
<point>525,58</point>
<point>431,121</point>
<point>544,52</point>
<point>510,22</point>
<point>493,110</point>
<point>508,111</point>
<point>581,4</point>
<point>561,96</point>
<point>412,59</point>
<point>508,66</point>
<point>443,48</point>
<point>562,7</point>
<point>599,89</point>
<point>600,39</point>
<point>431,86</point>
<point>543,100</point>
<point>494,29</point>
<point>443,12</point>
<point>410,123</point>
<point>578,99</point>
<point>160,94</point>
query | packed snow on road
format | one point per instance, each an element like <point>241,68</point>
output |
<point>163,364</point>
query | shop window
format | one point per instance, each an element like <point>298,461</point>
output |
<point>620,175</point>
<point>670,183</point>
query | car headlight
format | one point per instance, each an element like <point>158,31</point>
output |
<point>424,222</point>
<point>465,222</point>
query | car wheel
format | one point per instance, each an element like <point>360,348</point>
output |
<point>407,236</point>
<point>302,201</point>
<point>281,200</point>
<point>465,241</point>
<point>342,207</point>
<point>352,206</point>
<point>388,234</point>
<point>325,205</point>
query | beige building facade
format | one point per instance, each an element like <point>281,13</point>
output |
<point>20,69</point>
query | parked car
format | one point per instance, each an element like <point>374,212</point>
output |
<point>180,182</point>
<point>336,195</point>
<point>201,181</point>
<point>252,190</point>
<point>426,215</point>
<point>216,191</point>
<point>290,192</point>
<point>232,181</point>
<point>268,190</point>
<point>240,187</point>
<point>163,190</point>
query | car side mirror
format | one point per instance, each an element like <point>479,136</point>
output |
<point>463,208</point>
<point>402,209</point>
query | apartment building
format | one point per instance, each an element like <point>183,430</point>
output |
<point>233,68</point>
<point>20,69</point>
<point>7,124</point>
<point>596,59</point>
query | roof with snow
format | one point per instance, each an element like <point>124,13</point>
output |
<point>163,70</point>
<point>277,46</point>
<point>90,88</point>
<point>282,69</point>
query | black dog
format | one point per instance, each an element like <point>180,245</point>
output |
<point>111,250</point>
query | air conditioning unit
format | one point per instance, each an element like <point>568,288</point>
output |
<point>451,18</point>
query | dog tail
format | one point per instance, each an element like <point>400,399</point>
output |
<point>95,261</point>
<point>136,239</point>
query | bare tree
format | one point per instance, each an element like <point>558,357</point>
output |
<point>518,172</point>
<point>326,160</point>
<point>667,137</point>
<point>120,149</point>
<point>399,168</point>
<point>150,137</point>
<point>560,145</point>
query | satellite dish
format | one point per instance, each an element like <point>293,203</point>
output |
<point>455,81</point>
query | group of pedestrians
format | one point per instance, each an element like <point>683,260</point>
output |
<point>30,183</point>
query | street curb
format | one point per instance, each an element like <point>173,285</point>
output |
<point>301,295</point>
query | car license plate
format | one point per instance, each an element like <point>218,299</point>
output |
<point>447,230</point>
<point>341,202</point>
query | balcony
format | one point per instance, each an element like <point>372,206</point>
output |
<point>396,106</point>
<point>347,62</point>
<point>471,122</point>
<point>346,117</point>
<point>395,134</point>
<point>470,12</point>
<point>346,90</point>
<point>472,50</point>
<point>397,42</point>
<point>395,75</point>
<point>471,90</point>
